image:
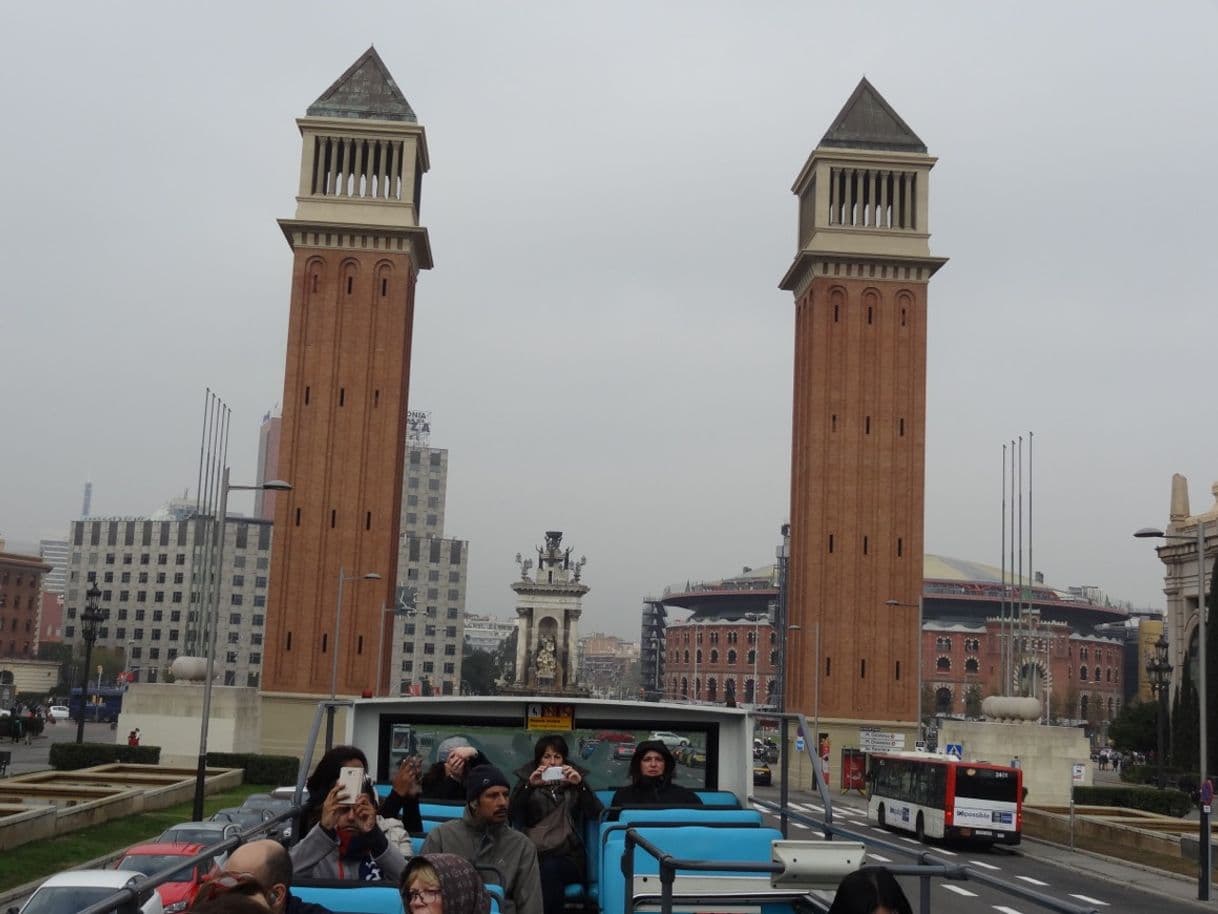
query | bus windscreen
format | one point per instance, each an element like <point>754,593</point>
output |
<point>986,784</point>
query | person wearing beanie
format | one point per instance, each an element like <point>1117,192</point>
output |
<point>482,836</point>
<point>651,770</point>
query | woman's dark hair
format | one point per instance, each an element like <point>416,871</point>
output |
<point>636,760</point>
<point>866,889</point>
<point>323,779</point>
<point>555,743</point>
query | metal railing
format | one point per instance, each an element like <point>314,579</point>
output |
<point>127,900</point>
<point>928,865</point>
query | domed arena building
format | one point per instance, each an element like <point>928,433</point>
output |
<point>979,637</point>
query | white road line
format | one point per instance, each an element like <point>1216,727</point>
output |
<point>908,840</point>
<point>1003,909</point>
<point>1031,880</point>
<point>959,891</point>
<point>874,856</point>
<point>945,852</point>
<point>876,828</point>
<point>801,825</point>
<point>1089,900</point>
<point>984,865</point>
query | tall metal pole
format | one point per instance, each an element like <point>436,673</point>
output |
<point>1206,853</point>
<point>213,611</point>
<point>338,615</point>
<point>1003,646</point>
<point>1011,672</point>
<point>84,690</point>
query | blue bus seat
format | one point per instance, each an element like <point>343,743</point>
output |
<point>739,818</point>
<point>720,798</point>
<point>441,811</point>
<point>694,842</point>
<point>354,897</point>
<point>605,796</point>
<point>416,845</point>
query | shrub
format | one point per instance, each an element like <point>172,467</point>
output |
<point>280,770</point>
<point>1167,802</point>
<point>71,756</point>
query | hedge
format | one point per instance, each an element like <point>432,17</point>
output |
<point>71,756</point>
<point>280,770</point>
<point>1167,802</point>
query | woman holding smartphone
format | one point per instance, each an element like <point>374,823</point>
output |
<point>341,835</point>
<point>550,804</point>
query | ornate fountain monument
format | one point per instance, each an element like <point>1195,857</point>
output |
<point>548,607</point>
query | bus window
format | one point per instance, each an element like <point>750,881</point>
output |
<point>986,784</point>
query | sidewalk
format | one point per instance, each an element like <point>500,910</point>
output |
<point>36,756</point>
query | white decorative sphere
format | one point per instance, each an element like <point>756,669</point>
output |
<point>1011,707</point>
<point>189,669</point>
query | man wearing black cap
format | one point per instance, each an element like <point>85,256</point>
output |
<point>482,836</point>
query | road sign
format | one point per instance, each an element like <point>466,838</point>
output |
<point>1078,772</point>
<point>956,749</point>
<point>1207,792</point>
<point>799,744</point>
<point>871,740</point>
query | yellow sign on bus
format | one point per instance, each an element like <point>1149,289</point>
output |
<point>549,717</point>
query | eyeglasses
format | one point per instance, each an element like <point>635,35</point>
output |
<point>424,896</point>
<point>240,883</point>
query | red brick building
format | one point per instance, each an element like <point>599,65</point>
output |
<point>859,281</point>
<point>357,251</point>
<point>20,603</point>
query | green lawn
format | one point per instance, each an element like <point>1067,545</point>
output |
<point>43,858</point>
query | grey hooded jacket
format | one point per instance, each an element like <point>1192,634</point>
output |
<point>509,852</point>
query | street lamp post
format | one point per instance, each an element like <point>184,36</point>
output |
<point>274,485</point>
<point>88,630</point>
<point>1205,853</point>
<point>343,577</point>
<point>1158,671</point>
<point>405,606</point>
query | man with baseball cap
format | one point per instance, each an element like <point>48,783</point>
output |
<point>483,837</point>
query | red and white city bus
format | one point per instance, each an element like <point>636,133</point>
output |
<point>939,796</point>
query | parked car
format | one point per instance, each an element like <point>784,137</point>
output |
<point>762,776</point>
<point>668,738</point>
<point>271,806</point>
<point>623,752</point>
<point>75,890</point>
<point>204,833</point>
<point>242,817</point>
<point>153,859</point>
<point>57,712</point>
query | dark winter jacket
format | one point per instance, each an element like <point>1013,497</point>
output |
<point>461,887</point>
<point>509,852</point>
<point>661,791</point>
<point>294,905</point>
<point>529,805</point>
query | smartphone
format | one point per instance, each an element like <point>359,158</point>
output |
<point>553,773</point>
<point>351,782</point>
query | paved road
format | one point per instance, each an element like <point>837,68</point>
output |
<point>34,757</point>
<point>1075,878</point>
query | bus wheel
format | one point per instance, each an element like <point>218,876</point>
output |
<point>880,816</point>
<point>920,830</point>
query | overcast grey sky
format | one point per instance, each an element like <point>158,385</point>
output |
<point>601,343</point>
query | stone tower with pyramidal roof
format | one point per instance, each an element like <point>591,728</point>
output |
<point>859,278</point>
<point>357,249</point>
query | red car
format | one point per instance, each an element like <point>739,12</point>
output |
<point>154,859</point>
<point>623,752</point>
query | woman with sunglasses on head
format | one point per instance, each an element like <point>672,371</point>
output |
<point>443,884</point>
<point>550,804</point>
<point>342,836</point>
